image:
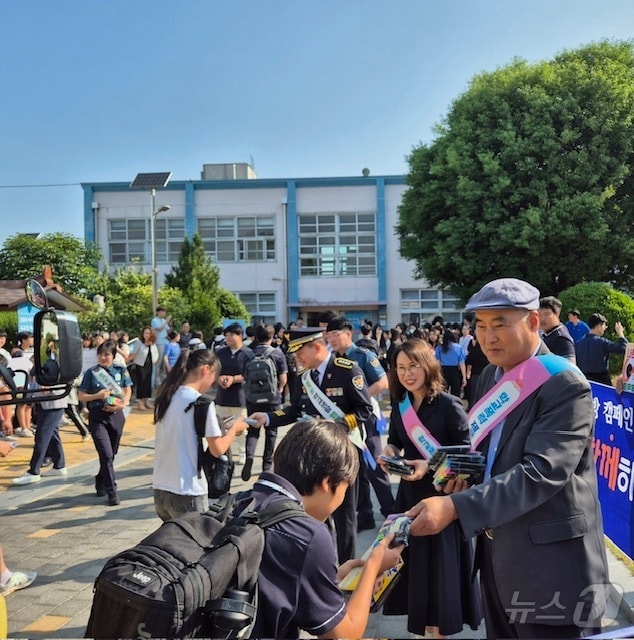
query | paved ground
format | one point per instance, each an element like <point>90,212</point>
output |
<point>60,529</point>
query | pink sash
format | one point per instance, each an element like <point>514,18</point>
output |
<point>416,430</point>
<point>510,391</point>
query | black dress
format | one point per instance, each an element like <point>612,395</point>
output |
<point>435,588</point>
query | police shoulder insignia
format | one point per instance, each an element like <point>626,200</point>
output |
<point>279,412</point>
<point>344,363</point>
<point>358,382</point>
<point>374,362</point>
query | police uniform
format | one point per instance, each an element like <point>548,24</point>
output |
<point>344,384</point>
<point>369,363</point>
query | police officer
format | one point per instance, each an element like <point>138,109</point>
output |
<point>334,388</point>
<point>339,335</point>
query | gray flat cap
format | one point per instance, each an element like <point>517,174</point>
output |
<point>505,293</point>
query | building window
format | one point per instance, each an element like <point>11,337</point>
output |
<point>129,240</point>
<point>238,239</point>
<point>262,306</point>
<point>337,244</point>
<point>421,305</point>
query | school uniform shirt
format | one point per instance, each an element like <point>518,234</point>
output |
<point>176,446</point>
<point>452,357</point>
<point>560,342</point>
<point>298,575</point>
<point>232,363</point>
<point>90,384</point>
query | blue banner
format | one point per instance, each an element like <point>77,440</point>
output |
<point>614,457</point>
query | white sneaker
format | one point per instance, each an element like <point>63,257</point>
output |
<point>23,433</point>
<point>27,478</point>
<point>62,471</point>
<point>242,457</point>
<point>9,438</point>
<point>18,580</point>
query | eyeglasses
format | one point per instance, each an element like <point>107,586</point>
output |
<point>411,369</point>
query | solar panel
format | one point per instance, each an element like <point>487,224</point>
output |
<point>151,180</point>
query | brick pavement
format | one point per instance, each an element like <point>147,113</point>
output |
<point>59,528</point>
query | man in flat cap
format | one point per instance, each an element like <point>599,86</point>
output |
<point>333,388</point>
<point>536,515</point>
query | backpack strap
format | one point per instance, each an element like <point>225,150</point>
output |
<point>201,407</point>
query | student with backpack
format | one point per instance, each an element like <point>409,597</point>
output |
<point>315,463</point>
<point>260,565</point>
<point>179,484</point>
<point>265,377</point>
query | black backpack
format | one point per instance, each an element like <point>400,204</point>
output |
<point>196,576</point>
<point>260,378</point>
<point>218,471</point>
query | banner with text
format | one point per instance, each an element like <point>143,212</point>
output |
<point>614,457</point>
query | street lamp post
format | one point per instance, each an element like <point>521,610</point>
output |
<point>153,181</point>
<point>155,213</point>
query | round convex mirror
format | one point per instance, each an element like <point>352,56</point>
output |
<point>35,294</point>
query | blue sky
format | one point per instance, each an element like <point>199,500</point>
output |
<point>100,90</point>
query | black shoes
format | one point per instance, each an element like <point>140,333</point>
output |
<point>246,469</point>
<point>101,492</point>
<point>113,499</point>
<point>365,524</point>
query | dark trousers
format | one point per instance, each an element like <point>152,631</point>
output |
<point>270,436</point>
<point>47,440</point>
<point>345,521</point>
<point>379,480</point>
<point>453,379</point>
<point>106,429</point>
<point>497,620</point>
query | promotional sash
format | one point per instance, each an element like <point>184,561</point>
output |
<point>329,410</point>
<point>511,390</point>
<point>104,378</point>
<point>416,430</point>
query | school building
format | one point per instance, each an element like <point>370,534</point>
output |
<point>287,247</point>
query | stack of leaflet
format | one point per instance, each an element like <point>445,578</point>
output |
<point>398,524</point>
<point>457,462</point>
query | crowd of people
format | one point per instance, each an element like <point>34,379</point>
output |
<point>536,503</point>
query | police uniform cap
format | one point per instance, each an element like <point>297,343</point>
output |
<point>299,337</point>
<point>505,293</point>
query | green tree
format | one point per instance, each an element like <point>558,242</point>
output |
<point>127,296</point>
<point>529,176</point>
<point>74,264</point>
<point>601,297</point>
<point>199,280</point>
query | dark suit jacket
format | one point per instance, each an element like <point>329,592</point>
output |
<point>542,507</point>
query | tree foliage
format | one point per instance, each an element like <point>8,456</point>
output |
<point>529,176</point>
<point>199,280</point>
<point>74,264</point>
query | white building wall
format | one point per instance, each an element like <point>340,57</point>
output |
<point>249,276</point>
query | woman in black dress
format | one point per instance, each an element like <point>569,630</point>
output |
<point>435,591</point>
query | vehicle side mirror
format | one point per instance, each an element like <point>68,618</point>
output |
<point>58,344</point>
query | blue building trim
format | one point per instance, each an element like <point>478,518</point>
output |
<point>190,210</point>
<point>381,239</point>
<point>89,215</point>
<point>292,244</point>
